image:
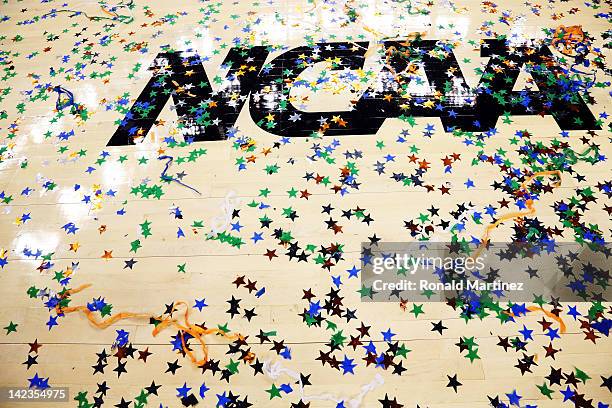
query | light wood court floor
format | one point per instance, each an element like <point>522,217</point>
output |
<point>138,183</point>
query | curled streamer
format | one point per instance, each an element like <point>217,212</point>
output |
<point>221,222</point>
<point>574,43</point>
<point>517,214</point>
<point>110,11</point>
<point>195,331</point>
<point>273,371</point>
<point>165,177</point>
<point>67,101</point>
<point>562,326</point>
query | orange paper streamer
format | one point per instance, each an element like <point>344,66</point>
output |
<point>108,12</point>
<point>517,214</point>
<point>196,331</point>
<point>568,38</point>
<point>553,316</point>
<point>562,326</point>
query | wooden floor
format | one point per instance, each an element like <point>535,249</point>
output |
<point>48,229</point>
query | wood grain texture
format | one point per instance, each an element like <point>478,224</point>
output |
<point>69,350</point>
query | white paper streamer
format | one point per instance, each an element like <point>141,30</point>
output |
<point>275,370</point>
<point>221,222</point>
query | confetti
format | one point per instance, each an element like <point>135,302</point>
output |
<point>200,199</point>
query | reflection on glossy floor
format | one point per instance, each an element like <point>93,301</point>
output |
<point>185,188</point>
